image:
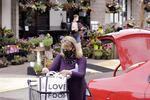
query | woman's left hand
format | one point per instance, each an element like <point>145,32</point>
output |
<point>66,73</point>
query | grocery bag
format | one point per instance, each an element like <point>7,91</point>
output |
<point>54,86</point>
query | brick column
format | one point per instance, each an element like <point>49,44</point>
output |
<point>136,8</point>
<point>15,17</point>
<point>6,13</point>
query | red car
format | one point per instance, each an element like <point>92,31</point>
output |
<point>133,47</point>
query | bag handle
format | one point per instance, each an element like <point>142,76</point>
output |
<point>51,73</point>
<point>56,74</point>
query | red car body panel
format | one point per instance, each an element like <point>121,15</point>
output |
<point>133,47</point>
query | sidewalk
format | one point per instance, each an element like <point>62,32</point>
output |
<point>15,77</point>
<point>111,64</point>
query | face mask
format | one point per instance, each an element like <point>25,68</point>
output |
<point>68,53</point>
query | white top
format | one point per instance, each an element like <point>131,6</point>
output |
<point>74,26</point>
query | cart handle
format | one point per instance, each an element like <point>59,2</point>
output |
<point>29,81</point>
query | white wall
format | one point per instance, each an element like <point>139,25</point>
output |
<point>6,13</point>
<point>56,17</point>
<point>98,13</point>
<point>17,19</point>
<point>129,9</point>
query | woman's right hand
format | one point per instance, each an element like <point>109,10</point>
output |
<point>45,70</point>
<point>66,73</point>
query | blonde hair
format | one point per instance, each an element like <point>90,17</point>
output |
<point>78,48</point>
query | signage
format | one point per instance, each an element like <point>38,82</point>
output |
<point>56,84</point>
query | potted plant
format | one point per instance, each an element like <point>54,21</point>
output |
<point>3,62</point>
<point>84,7</point>
<point>17,60</point>
<point>96,44</point>
<point>66,6</point>
<point>97,49</point>
<point>2,50</point>
<point>24,47</point>
<point>6,32</point>
<point>107,51</point>
<point>9,33</point>
<point>31,58</point>
<point>87,51</point>
<point>9,41</point>
<point>34,42</point>
<point>37,5</point>
<point>38,69</point>
<point>2,31</point>
<point>48,41</point>
<point>108,30</point>
<point>97,53</point>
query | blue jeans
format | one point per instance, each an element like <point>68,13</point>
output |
<point>76,36</point>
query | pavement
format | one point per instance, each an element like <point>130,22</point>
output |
<point>15,77</point>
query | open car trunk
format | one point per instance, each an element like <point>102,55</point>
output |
<point>133,46</point>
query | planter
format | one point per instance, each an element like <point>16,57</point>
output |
<point>30,71</point>
<point>9,35</point>
<point>41,44</point>
<point>47,48</point>
<point>32,64</point>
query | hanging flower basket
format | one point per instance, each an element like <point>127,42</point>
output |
<point>148,20</point>
<point>147,7</point>
<point>66,6</point>
<point>113,7</point>
<point>36,5</point>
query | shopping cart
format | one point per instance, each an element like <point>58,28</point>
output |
<point>49,87</point>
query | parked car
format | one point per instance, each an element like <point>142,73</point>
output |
<point>133,47</point>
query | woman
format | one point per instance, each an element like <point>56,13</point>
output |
<point>75,28</point>
<point>71,62</point>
